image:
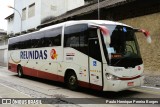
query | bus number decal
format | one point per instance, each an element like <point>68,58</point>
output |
<point>69,56</point>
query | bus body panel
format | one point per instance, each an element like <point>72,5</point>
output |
<point>127,78</point>
<point>45,60</point>
<point>125,72</point>
<point>120,85</point>
<point>78,62</point>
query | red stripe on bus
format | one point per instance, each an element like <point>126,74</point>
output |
<point>12,67</point>
<point>83,84</point>
<point>50,76</point>
<point>130,78</point>
<point>89,85</point>
<point>37,73</point>
<point>30,72</point>
<point>42,74</point>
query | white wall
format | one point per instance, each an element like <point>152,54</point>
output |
<point>52,8</point>
<point>33,22</point>
<point>59,7</point>
<point>3,55</point>
<point>43,9</point>
<point>17,19</point>
<point>29,22</point>
<point>72,4</point>
<point>10,27</point>
<point>6,56</point>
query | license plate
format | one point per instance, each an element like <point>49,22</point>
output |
<point>130,84</point>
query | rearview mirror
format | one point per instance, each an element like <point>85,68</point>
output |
<point>146,33</point>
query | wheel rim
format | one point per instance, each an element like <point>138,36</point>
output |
<point>72,80</point>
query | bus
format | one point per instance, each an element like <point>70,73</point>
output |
<point>96,54</point>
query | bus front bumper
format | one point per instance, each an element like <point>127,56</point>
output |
<point>119,85</point>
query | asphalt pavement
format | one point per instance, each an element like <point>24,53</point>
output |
<point>8,92</point>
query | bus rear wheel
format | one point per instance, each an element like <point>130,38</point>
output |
<point>20,72</point>
<point>72,82</point>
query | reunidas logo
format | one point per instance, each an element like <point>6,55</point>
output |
<point>53,54</point>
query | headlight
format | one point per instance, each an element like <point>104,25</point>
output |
<point>111,77</point>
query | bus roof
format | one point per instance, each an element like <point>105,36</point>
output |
<point>68,23</point>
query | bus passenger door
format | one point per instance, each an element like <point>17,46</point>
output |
<point>95,64</point>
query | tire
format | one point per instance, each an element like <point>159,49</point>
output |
<point>20,72</point>
<point>71,81</point>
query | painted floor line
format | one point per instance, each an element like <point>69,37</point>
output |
<point>150,90</point>
<point>151,87</point>
<point>14,90</point>
<point>147,91</point>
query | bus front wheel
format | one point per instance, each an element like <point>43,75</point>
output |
<point>20,71</point>
<point>72,82</point>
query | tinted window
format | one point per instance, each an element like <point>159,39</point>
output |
<point>92,32</point>
<point>21,42</point>
<point>53,37</point>
<point>24,42</point>
<point>37,40</point>
<point>94,49</point>
<point>76,37</point>
<point>12,43</point>
<point>94,46</point>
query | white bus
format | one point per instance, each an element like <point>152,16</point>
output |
<point>96,54</point>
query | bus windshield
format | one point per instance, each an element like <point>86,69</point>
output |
<point>123,51</point>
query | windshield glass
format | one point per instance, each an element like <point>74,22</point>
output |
<point>123,50</point>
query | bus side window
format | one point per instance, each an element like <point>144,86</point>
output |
<point>20,43</point>
<point>15,45</point>
<point>11,44</point>
<point>53,37</point>
<point>92,33</point>
<point>94,47</point>
<point>37,40</point>
<point>75,36</point>
<point>24,42</point>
